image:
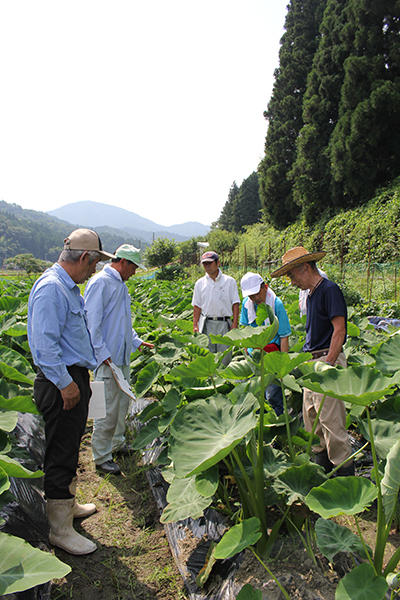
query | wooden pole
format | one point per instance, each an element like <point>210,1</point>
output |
<point>395,282</point>
<point>245,257</point>
<point>342,257</point>
<point>369,260</point>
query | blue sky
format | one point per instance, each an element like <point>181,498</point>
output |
<point>155,106</point>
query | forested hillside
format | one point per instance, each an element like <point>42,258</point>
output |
<point>333,117</point>
<point>28,231</point>
<point>335,109</point>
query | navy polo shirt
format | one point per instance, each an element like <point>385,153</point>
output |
<point>325,303</point>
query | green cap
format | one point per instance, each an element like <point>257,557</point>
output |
<point>130,253</point>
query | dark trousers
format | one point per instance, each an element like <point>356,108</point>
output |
<point>63,430</point>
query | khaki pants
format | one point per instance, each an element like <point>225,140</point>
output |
<point>331,427</point>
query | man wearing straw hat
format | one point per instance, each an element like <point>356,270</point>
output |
<point>108,308</point>
<point>326,328</point>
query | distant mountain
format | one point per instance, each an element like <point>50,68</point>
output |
<point>30,231</point>
<point>95,214</point>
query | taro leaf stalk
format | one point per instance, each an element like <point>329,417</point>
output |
<point>361,385</point>
<point>255,337</point>
<point>280,364</point>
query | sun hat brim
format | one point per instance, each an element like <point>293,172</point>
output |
<point>309,257</point>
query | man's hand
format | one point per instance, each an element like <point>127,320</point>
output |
<point>146,345</point>
<point>70,395</point>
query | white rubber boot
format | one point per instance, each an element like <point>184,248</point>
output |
<point>62,534</point>
<point>80,510</point>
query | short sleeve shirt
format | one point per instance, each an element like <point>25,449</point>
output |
<point>216,297</point>
<point>325,303</point>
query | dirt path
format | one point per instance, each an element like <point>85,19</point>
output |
<point>133,560</point>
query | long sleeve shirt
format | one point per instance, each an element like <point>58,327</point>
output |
<point>108,310</point>
<point>57,331</point>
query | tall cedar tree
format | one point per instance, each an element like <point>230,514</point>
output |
<point>284,114</point>
<point>225,220</point>
<point>246,205</point>
<point>365,145</point>
<point>311,170</point>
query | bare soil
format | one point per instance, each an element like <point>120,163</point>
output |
<point>133,560</point>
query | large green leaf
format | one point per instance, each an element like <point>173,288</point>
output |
<point>19,403</point>
<point>388,355</point>
<point>361,584</point>
<point>389,409</point>
<point>14,375</point>
<point>23,567</point>
<point>205,431</point>
<point>9,303</point>
<point>14,359</point>
<point>391,482</point>
<point>274,461</point>
<point>341,496</point>
<point>184,501</point>
<point>4,481</point>
<point>8,420</point>
<point>239,369</point>
<point>14,469</point>
<point>248,337</point>
<point>16,330</point>
<point>146,377</point>
<point>386,434</point>
<point>238,537</point>
<point>249,593</point>
<point>281,363</point>
<point>207,481</point>
<point>146,435</point>
<point>296,482</point>
<point>333,538</point>
<point>203,366</point>
<point>357,385</point>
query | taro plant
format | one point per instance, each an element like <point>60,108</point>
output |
<point>352,495</point>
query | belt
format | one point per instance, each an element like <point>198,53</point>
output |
<point>319,353</point>
<point>218,318</point>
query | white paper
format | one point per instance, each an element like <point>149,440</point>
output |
<point>97,403</point>
<point>202,320</point>
<point>121,381</point>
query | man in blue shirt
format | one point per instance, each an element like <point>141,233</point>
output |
<point>326,328</point>
<point>108,308</point>
<point>255,291</point>
<point>62,351</point>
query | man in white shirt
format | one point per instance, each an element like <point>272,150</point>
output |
<point>215,302</point>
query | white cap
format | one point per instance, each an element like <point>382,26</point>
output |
<point>251,283</point>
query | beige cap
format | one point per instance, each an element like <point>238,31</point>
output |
<point>86,239</point>
<point>294,257</point>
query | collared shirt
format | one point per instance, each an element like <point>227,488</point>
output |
<point>57,329</point>
<point>216,297</point>
<point>108,309</point>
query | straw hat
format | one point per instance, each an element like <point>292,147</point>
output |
<point>294,257</point>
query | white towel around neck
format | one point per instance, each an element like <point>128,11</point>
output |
<point>250,306</point>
